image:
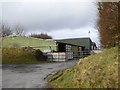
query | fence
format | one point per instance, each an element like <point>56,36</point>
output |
<point>83,54</point>
<point>64,56</point>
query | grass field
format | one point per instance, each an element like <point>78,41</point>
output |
<point>17,41</point>
<point>96,71</point>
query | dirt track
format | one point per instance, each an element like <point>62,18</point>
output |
<point>31,76</point>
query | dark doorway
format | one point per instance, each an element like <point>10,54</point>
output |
<point>61,47</point>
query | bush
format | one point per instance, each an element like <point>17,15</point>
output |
<point>42,36</point>
<point>26,55</point>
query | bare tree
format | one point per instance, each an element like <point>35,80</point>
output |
<point>19,30</point>
<point>5,30</point>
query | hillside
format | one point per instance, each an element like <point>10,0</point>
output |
<point>17,41</point>
<point>96,71</point>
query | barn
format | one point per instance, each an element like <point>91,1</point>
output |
<point>73,48</point>
<point>86,43</point>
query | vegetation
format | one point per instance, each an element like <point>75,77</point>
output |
<point>96,71</point>
<point>0,56</point>
<point>18,41</point>
<point>5,30</point>
<point>20,56</point>
<point>108,23</point>
<point>42,36</point>
<point>16,55</point>
<point>19,30</point>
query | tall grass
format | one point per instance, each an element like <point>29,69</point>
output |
<point>17,56</point>
<point>96,71</point>
<point>0,56</point>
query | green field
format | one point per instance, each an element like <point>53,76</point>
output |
<point>96,71</point>
<point>17,41</point>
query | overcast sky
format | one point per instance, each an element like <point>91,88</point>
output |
<point>60,19</point>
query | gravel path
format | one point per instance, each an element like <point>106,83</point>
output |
<point>31,76</point>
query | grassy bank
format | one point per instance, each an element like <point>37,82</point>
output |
<point>19,56</point>
<point>0,56</point>
<point>19,41</point>
<point>96,71</point>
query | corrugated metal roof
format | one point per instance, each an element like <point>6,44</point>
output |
<point>76,41</point>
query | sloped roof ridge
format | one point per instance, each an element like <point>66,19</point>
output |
<point>74,38</point>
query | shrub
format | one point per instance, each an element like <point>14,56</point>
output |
<point>21,55</point>
<point>42,36</point>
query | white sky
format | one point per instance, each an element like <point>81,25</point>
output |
<point>59,18</point>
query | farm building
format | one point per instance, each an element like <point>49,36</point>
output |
<point>85,43</point>
<point>56,50</point>
<point>67,49</point>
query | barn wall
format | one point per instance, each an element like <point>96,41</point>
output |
<point>75,48</point>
